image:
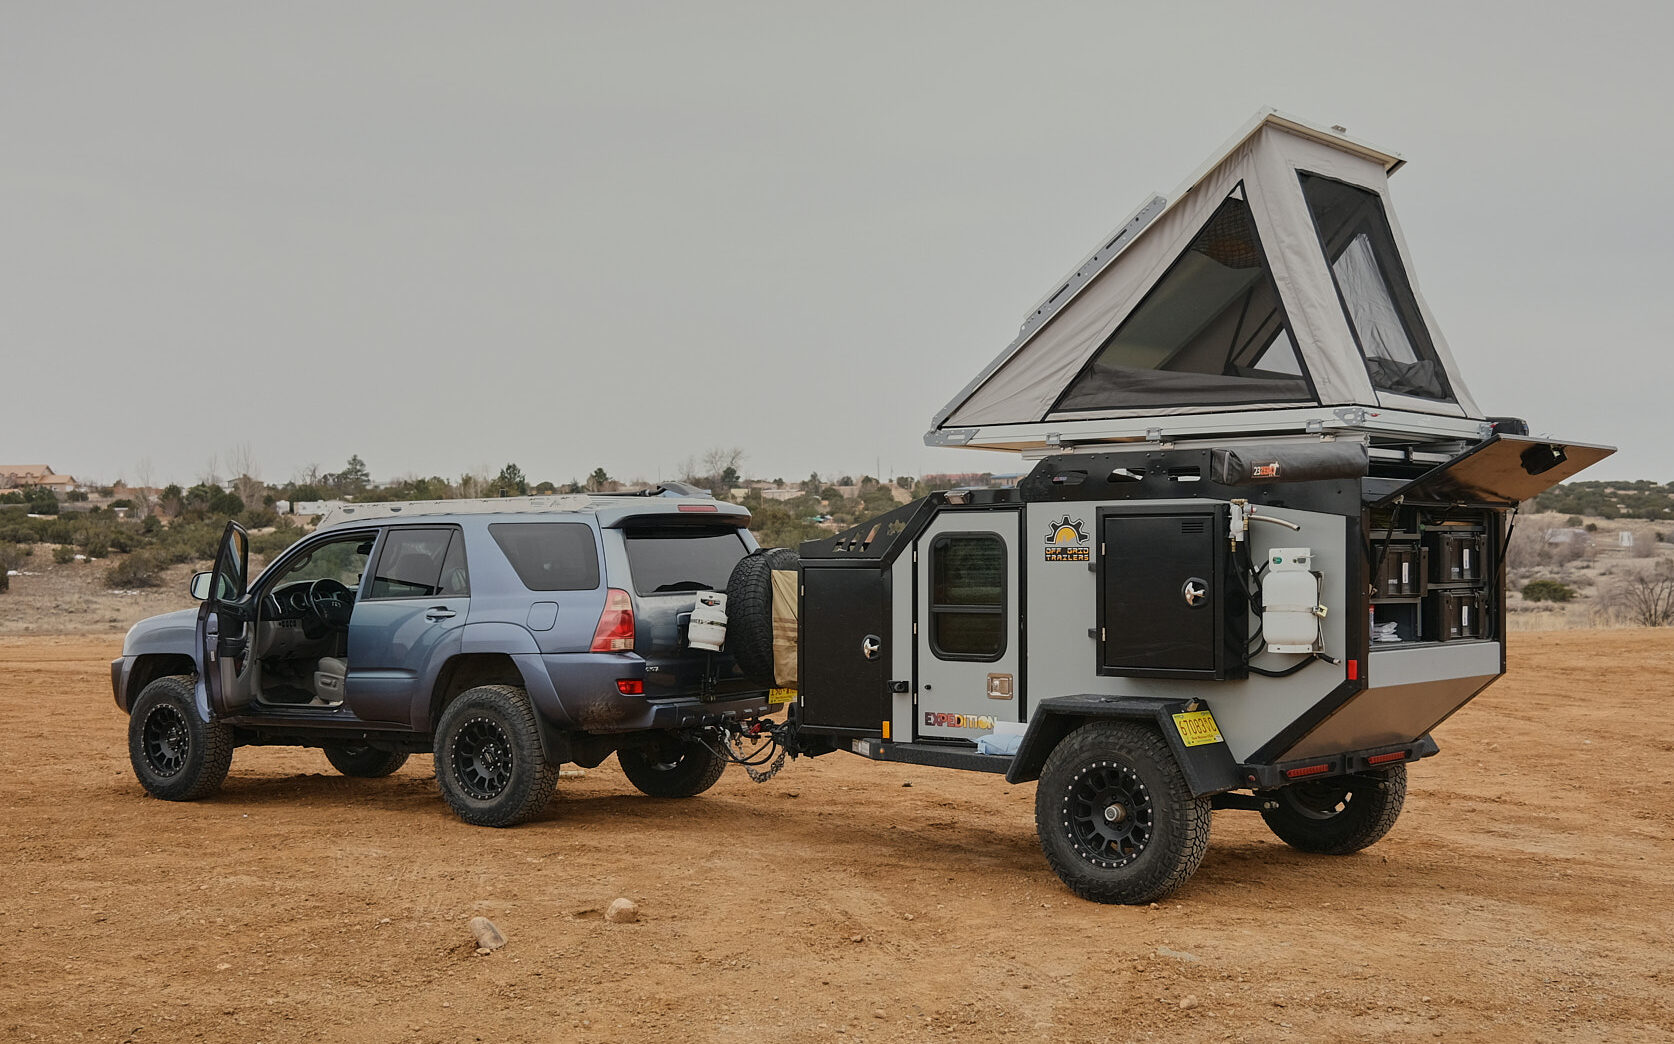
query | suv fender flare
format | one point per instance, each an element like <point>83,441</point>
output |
<point>1209,768</point>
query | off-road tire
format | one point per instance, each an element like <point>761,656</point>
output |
<point>750,611</point>
<point>489,762</point>
<point>364,762</point>
<point>1340,815</point>
<point>177,756</point>
<point>1161,830</point>
<point>679,771</point>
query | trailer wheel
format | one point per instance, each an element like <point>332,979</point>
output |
<point>1337,816</point>
<point>750,611</point>
<point>681,771</point>
<point>1116,819</point>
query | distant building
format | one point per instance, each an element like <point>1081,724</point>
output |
<point>15,475</point>
<point>780,494</point>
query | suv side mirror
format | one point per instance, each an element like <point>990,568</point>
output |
<point>199,585</point>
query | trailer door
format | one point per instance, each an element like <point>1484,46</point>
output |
<point>966,610</point>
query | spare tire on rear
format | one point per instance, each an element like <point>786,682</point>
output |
<point>750,611</point>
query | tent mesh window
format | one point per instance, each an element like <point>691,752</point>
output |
<point>1376,295</point>
<point>1211,332</point>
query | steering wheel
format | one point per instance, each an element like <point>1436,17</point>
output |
<point>331,602</point>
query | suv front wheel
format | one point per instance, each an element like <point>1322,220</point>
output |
<point>489,762</point>
<point>176,755</point>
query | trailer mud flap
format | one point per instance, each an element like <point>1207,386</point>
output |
<point>1187,725</point>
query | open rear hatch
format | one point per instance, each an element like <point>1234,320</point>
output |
<point>1500,470</point>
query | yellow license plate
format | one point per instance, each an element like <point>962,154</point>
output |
<point>1197,728</point>
<point>781,696</point>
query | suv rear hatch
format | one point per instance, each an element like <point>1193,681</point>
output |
<point>669,564</point>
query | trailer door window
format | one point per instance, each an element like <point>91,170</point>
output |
<point>968,596</point>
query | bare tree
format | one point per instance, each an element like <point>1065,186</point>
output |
<point>140,494</point>
<point>1648,597</point>
<point>247,485</point>
<point>211,473</point>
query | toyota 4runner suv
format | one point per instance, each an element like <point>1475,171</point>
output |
<point>507,637</point>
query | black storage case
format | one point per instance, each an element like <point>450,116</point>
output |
<point>1457,554</point>
<point>1452,615</point>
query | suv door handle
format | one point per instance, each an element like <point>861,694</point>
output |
<point>439,612</point>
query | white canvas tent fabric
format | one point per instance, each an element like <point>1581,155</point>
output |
<point>1033,386</point>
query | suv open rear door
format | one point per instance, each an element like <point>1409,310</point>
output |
<point>1502,469</point>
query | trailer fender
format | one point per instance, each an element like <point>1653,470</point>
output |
<point>1208,767</point>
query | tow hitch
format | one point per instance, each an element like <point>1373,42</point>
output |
<point>752,744</point>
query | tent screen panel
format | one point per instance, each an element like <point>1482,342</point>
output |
<point>968,596</point>
<point>1377,297</point>
<point>1211,332</point>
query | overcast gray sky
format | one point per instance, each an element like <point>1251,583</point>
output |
<point>446,236</point>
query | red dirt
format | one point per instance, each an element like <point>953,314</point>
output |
<point>1527,893</point>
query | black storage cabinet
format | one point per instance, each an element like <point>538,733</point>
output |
<point>1170,604</point>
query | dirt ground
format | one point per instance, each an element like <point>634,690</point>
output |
<point>1527,893</point>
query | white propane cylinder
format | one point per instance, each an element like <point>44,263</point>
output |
<point>708,629</point>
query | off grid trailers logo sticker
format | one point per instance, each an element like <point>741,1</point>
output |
<point>1067,541</point>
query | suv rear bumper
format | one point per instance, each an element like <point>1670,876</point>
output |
<point>578,691</point>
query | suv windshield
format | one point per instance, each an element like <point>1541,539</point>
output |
<point>682,558</point>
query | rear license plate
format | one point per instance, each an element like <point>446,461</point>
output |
<point>781,696</point>
<point>1197,728</point>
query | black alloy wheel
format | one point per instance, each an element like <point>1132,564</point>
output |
<point>482,758</point>
<point>166,739</point>
<point>1110,814</point>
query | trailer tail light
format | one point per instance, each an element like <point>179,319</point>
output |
<point>1354,670</point>
<point>1307,770</point>
<point>615,632</point>
<point>630,686</point>
<point>1384,759</point>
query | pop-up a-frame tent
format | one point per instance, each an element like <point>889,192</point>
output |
<point>1272,295</point>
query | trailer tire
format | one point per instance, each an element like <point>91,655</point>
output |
<point>683,771</point>
<point>1340,815</point>
<point>489,762</point>
<point>750,611</point>
<point>1116,819</point>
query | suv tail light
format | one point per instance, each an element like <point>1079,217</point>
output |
<point>615,632</point>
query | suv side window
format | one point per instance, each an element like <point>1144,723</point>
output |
<point>550,556</point>
<point>412,562</point>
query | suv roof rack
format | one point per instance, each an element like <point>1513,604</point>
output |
<point>475,506</point>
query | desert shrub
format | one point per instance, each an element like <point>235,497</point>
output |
<point>1548,591</point>
<point>140,569</point>
<point>123,539</point>
<point>17,535</point>
<point>93,545</point>
<point>259,518</point>
<point>9,557</point>
<point>269,544</point>
<point>63,554</point>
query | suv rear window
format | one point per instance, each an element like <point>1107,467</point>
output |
<point>682,558</point>
<point>550,556</point>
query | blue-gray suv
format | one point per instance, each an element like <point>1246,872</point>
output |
<point>506,637</point>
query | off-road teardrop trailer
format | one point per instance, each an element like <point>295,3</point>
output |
<point>1260,555</point>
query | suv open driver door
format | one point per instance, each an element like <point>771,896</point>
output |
<point>225,623</point>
